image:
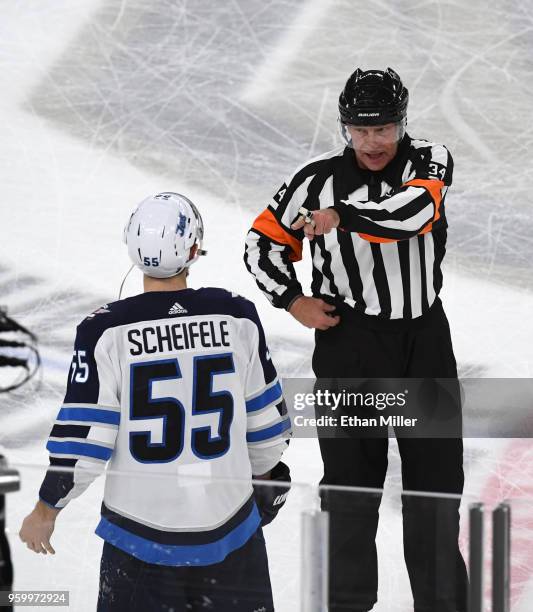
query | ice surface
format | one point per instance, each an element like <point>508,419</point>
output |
<point>106,102</point>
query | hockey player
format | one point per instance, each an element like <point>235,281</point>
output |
<point>176,389</point>
<point>374,211</point>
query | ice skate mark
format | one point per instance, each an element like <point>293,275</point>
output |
<point>17,433</point>
<point>292,357</point>
<point>248,26</point>
<point>452,114</point>
<point>277,62</point>
<point>318,123</point>
<point>119,16</point>
<point>12,283</point>
<point>471,370</point>
<point>277,131</point>
<point>64,307</point>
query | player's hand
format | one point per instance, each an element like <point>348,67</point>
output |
<point>317,223</point>
<point>38,527</point>
<point>313,312</point>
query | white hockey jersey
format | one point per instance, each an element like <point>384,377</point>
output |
<point>178,392</point>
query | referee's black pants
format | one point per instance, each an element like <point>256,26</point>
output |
<point>364,347</point>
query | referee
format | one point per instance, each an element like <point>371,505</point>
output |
<point>374,211</point>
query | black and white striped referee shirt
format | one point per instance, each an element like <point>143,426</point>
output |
<point>385,258</point>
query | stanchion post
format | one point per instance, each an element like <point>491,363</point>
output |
<point>314,562</point>
<point>501,558</point>
<point>475,589</point>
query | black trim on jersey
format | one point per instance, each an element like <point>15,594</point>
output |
<point>326,267</point>
<point>439,238</point>
<point>88,391</point>
<point>316,279</point>
<point>358,220</point>
<point>449,170</point>
<point>286,298</point>
<point>315,189</point>
<point>379,273</point>
<point>393,172</point>
<point>314,168</point>
<point>249,268</point>
<point>269,371</point>
<point>423,273</point>
<point>345,183</point>
<point>380,278</point>
<point>316,185</point>
<point>276,274</point>
<point>285,257</point>
<point>405,212</point>
<point>265,246</point>
<point>294,288</point>
<point>154,306</point>
<point>187,538</point>
<point>363,226</point>
<point>56,485</point>
<point>261,235</point>
<point>69,431</point>
<point>298,234</point>
<point>405,268</point>
<point>420,158</point>
<point>352,267</point>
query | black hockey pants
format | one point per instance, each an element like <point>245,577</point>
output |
<point>364,347</point>
<point>239,583</point>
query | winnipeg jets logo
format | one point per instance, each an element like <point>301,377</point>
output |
<point>182,224</point>
<point>102,310</point>
<point>177,309</point>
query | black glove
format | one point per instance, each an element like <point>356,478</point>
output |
<point>270,499</point>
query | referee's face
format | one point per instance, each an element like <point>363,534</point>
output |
<point>374,145</point>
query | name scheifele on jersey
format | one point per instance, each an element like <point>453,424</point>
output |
<point>178,337</point>
<point>185,410</point>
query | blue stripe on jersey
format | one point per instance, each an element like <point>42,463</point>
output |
<point>269,396</point>
<point>84,449</point>
<point>179,555</point>
<point>90,415</point>
<point>268,432</point>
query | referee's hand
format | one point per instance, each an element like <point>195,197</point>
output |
<point>313,312</point>
<point>323,221</point>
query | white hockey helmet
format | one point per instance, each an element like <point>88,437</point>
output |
<point>161,232</point>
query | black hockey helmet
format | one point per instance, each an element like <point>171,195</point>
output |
<point>373,97</point>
